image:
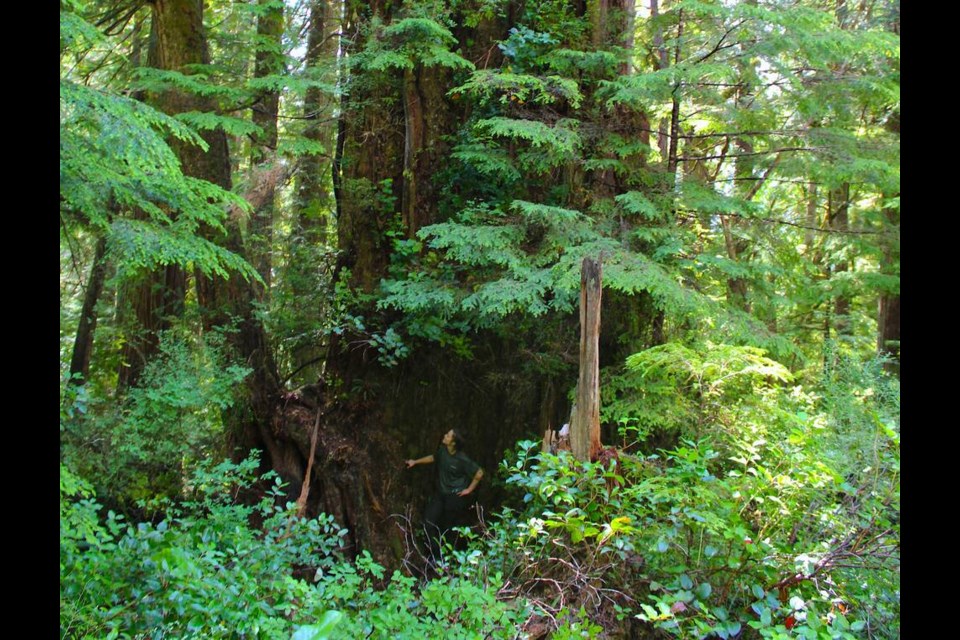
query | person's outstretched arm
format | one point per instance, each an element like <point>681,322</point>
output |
<point>423,460</point>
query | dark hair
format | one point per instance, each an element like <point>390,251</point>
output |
<point>459,439</point>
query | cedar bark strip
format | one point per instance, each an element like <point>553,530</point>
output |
<point>585,426</point>
<point>308,475</point>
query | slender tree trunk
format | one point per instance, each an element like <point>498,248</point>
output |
<point>148,306</point>
<point>747,185</point>
<point>839,220</point>
<point>268,61</point>
<point>888,320</point>
<point>675,106</point>
<point>888,330</point>
<point>585,423</point>
<point>313,201</point>
<point>812,221</point>
<point>83,343</point>
<point>888,323</point>
<point>661,61</point>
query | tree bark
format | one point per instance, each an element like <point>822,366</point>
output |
<point>372,165</point>
<point>675,106</point>
<point>148,307</point>
<point>888,320</point>
<point>585,425</point>
<point>268,61</point>
<point>313,200</point>
<point>839,220</point>
<point>83,343</point>
<point>177,41</point>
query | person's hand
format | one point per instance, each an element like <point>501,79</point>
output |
<point>465,492</point>
<point>411,463</point>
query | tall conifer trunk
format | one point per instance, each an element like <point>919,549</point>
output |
<point>269,61</point>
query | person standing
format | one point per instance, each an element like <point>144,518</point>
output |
<point>457,478</point>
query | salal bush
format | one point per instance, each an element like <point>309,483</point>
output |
<point>775,514</point>
<point>203,571</point>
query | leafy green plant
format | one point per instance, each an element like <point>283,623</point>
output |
<point>164,427</point>
<point>759,519</point>
<point>201,571</point>
<point>452,604</point>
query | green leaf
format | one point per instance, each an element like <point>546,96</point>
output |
<point>320,631</point>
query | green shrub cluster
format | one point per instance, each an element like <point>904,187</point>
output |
<point>217,568</point>
<point>203,571</point>
<point>776,516</point>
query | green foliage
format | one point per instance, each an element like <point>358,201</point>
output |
<point>558,141</point>
<point>206,121</point>
<point>451,605</point>
<point>506,87</point>
<point>762,106</point>
<point>765,521</point>
<point>142,448</point>
<point>676,387</point>
<point>203,571</point>
<point>409,42</point>
<point>119,176</point>
<point>748,498</point>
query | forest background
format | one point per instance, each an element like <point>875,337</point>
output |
<point>300,240</point>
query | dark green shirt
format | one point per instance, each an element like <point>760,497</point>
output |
<point>454,472</point>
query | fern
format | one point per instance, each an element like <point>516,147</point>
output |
<point>474,244</point>
<point>114,160</point>
<point>208,121</point>
<point>545,214</point>
<point>508,87</point>
<point>301,146</point>
<point>492,162</point>
<point>412,41</point>
<point>160,80</point>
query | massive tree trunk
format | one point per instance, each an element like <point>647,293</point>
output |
<point>177,41</point>
<point>391,146</point>
<point>372,163</point>
<point>427,119</point>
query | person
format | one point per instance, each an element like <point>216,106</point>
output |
<point>457,478</point>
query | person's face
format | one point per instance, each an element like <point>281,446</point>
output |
<point>448,438</point>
